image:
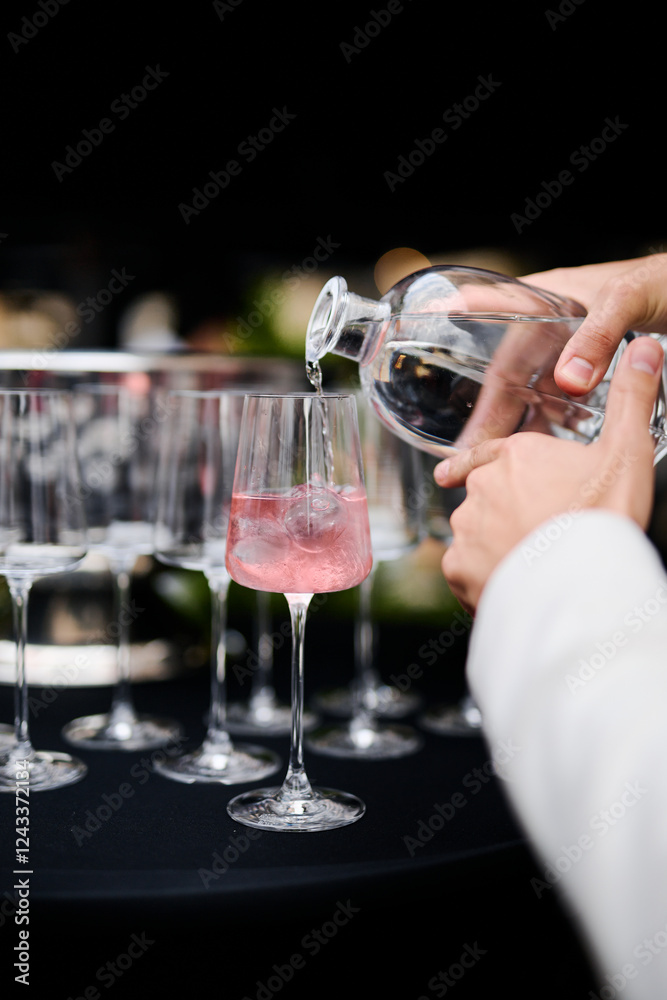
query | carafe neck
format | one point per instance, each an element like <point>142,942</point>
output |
<point>344,323</point>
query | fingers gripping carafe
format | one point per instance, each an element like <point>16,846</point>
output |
<point>453,355</point>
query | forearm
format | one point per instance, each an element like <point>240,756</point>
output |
<point>568,661</point>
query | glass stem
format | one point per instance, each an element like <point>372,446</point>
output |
<point>19,594</point>
<point>217,722</point>
<point>366,679</point>
<point>262,692</point>
<point>296,784</point>
<point>122,707</point>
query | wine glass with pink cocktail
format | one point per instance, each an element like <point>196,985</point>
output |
<point>298,526</point>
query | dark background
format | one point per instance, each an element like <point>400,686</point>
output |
<point>562,70</point>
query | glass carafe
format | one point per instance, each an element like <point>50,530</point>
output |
<point>453,355</point>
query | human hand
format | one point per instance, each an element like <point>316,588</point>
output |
<point>515,484</point>
<point>619,296</point>
<point>518,387</point>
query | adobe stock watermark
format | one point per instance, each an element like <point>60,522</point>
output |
<point>32,25</point>
<point>606,649</point>
<point>115,968</point>
<point>635,277</point>
<point>364,34</point>
<point>222,860</point>
<point>473,782</point>
<point>98,469</point>
<point>121,107</point>
<point>648,949</point>
<point>444,980</point>
<point>454,117</point>
<point>565,11</point>
<point>101,812</point>
<point>67,674</point>
<point>545,536</point>
<point>264,307</point>
<point>223,7</point>
<point>311,945</point>
<point>599,825</point>
<point>87,309</point>
<point>246,151</point>
<point>9,908</point>
<point>273,641</point>
<point>431,651</point>
<point>581,159</point>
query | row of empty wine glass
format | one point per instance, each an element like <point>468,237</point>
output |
<point>177,512</point>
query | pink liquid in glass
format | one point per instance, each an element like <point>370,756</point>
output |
<point>310,540</point>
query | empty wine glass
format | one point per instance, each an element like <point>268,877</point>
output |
<point>197,461</point>
<point>261,711</point>
<point>298,525</point>
<point>119,424</point>
<point>392,472</point>
<point>42,531</point>
<point>462,718</point>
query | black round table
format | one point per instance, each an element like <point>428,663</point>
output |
<point>139,883</point>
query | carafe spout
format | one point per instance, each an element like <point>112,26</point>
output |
<point>344,323</point>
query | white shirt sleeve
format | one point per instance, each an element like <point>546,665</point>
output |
<point>568,664</point>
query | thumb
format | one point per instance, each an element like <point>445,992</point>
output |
<point>633,391</point>
<point>588,353</point>
<point>631,300</point>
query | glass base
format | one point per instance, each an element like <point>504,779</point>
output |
<point>385,701</point>
<point>108,732</point>
<point>270,718</point>
<point>365,742</point>
<point>227,765</point>
<point>47,770</point>
<point>320,809</point>
<point>7,735</point>
<point>464,719</point>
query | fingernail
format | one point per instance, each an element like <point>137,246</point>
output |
<point>578,370</point>
<point>644,357</point>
